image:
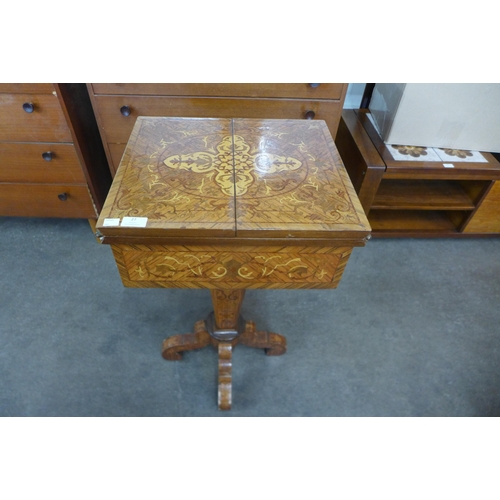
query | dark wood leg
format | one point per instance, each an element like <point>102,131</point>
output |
<point>272,343</point>
<point>224,329</point>
<point>224,395</point>
<point>227,306</point>
<point>173,346</point>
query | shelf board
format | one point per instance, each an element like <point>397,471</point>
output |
<point>411,221</point>
<point>418,194</point>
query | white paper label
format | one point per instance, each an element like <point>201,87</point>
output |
<point>111,222</point>
<point>448,165</point>
<point>134,221</point>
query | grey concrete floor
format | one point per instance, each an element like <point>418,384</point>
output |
<point>412,330</point>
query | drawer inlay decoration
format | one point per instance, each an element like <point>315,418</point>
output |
<point>230,266</point>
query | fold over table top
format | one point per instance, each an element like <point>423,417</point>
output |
<point>232,178</point>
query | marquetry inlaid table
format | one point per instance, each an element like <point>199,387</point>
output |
<point>230,205</point>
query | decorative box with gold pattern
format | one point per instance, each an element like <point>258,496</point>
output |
<point>270,198</point>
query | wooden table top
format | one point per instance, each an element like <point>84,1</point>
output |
<point>232,178</point>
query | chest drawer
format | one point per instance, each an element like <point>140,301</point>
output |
<point>118,127</point>
<point>42,200</point>
<point>39,162</point>
<point>45,122</point>
<point>281,90</point>
<point>27,88</point>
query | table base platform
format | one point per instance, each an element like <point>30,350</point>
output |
<point>224,329</point>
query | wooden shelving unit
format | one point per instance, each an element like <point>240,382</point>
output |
<point>411,220</point>
<point>415,198</point>
<point>419,194</point>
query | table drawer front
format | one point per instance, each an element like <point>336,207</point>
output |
<point>26,88</point>
<point>46,123</point>
<point>23,162</point>
<point>257,267</point>
<point>41,200</point>
<point>282,90</point>
<point>117,127</point>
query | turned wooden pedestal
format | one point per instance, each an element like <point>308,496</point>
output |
<point>230,205</point>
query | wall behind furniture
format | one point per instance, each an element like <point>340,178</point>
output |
<point>354,95</point>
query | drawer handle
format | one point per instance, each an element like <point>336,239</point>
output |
<point>125,110</point>
<point>29,107</point>
<point>309,115</point>
<point>314,85</point>
<point>63,196</point>
<point>48,155</point>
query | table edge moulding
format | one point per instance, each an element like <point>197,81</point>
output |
<point>229,205</point>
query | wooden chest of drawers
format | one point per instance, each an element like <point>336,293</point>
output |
<point>117,105</point>
<point>52,163</point>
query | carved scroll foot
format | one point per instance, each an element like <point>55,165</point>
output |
<point>272,343</point>
<point>225,379</point>
<point>173,346</point>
